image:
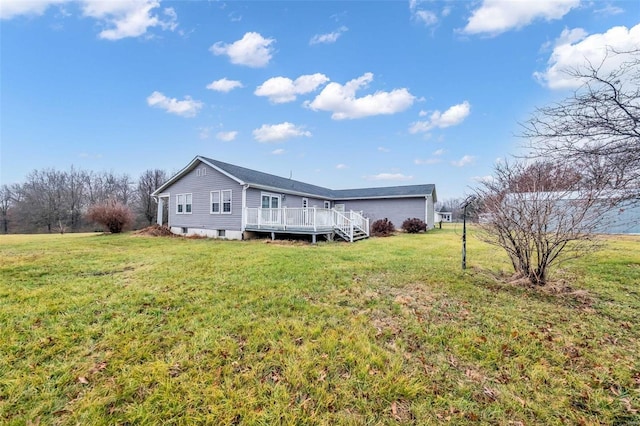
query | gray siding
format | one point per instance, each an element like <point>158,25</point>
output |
<point>431,213</point>
<point>394,209</point>
<point>621,220</point>
<point>200,187</point>
<point>254,199</point>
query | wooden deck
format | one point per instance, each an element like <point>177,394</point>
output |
<point>307,221</point>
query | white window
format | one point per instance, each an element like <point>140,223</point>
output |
<point>226,201</point>
<point>221,202</point>
<point>202,171</point>
<point>327,204</point>
<point>215,202</point>
<point>183,203</point>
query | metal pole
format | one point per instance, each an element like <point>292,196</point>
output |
<point>464,237</point>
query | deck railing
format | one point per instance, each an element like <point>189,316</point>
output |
<point>311,219</point>
<point>305,219</point>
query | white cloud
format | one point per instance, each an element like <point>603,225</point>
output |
<point>121,18</point>
<point>186,108</point>
<point>451,117</point>
<point>426,17</point>
<point>438,152</point>
<point>328,38</point>
<point>12,8</point>
<point>127,18</point>
<point>494,17</point>
<point>227,136</point>
<point>609,10</point>
<point>421,162</point>
<point>383,149</point>
<point>279,132</point>
<point>467,159</point>
<point>235,17</point>
<point>341,100</point>
<point>423,113</point>
<point>389,176</point>
<point>278,151</point>
<point>251,50</point>
<point>281,89</point>
<point>341,166</point>
<point>574,49</point>
<point>224,85</point>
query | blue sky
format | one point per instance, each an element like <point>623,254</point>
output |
<point>341,94</point>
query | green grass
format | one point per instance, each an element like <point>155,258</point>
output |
<point>121,329</point>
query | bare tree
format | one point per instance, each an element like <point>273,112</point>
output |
<point>541,214</point>
<point>598,126</point>
<point>6,197</point>
<point>149,181</point>
<point>75,197</point>
<point>43,199</point>
<point>104,186</point>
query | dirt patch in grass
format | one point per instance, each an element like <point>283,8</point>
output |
<point>155,231</point>
<point>287,242</point>
<point>559,288</point>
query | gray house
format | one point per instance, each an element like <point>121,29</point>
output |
<point>221,200</point>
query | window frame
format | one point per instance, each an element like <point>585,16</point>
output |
<point>184,203</point>
<point>221,194</point>
<point>211,210</point>
<point>223,202</point>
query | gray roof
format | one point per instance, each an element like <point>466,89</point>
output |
<point>266,180</point>
<point>386,191</point>
<point>254,177</point>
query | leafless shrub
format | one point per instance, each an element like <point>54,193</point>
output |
<point>541,214</point>
<point>111,214</point>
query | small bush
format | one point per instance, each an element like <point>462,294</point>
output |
<point>414,225</point>
<point>382,228</point>
<point>113,215</point>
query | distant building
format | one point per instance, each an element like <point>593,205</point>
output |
<point>444,216</point>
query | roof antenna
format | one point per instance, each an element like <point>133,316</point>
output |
<point>290,174</point>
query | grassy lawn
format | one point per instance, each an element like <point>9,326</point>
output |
<point>123,329</point>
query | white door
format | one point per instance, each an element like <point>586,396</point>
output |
<point>270,208</point>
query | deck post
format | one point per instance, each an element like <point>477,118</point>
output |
<point>259,215</point>
<point>284,218</point>
<point>315,219</point>
<point>313,239</point>
<point>351,232</point>
<point>273,236</point>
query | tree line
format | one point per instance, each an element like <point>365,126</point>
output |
<point>51,200</point>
